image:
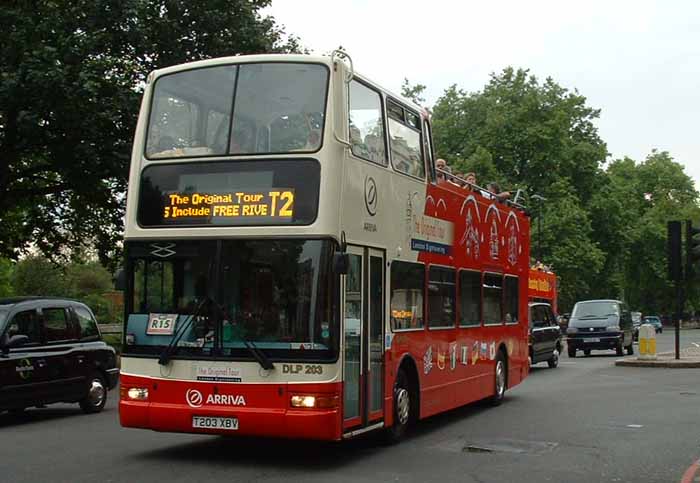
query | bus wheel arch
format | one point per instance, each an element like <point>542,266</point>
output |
<point>405,397</point>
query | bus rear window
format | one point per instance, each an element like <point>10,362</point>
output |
<point>263,108</point>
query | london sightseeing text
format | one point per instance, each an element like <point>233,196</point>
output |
<point>296,268</point>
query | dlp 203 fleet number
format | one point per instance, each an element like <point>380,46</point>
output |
<point>302,369</point>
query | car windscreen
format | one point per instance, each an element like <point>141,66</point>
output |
<point>593,310</point>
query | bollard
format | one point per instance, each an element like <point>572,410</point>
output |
<point>647,342</point>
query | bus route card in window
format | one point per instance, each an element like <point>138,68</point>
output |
<point>161,324</point>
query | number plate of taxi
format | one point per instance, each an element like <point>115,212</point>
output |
<point>592,339</point>
<point>215,422</point>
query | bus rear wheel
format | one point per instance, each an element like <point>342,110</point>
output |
<point>403,408</point>
<point>501,379</point>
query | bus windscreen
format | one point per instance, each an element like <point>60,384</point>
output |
<point>260,108</point>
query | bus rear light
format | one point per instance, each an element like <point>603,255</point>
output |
<point>134,393</point>
<point>314,402</point>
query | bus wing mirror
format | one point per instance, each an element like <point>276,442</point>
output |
<point>340,263</point>
<point>120,280</point>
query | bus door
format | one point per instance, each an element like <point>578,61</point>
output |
<point>363,334</point>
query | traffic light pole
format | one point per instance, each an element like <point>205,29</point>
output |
<point>679,312</point>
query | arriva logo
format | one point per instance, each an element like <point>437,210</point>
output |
<point>228,399</point>
<point>195,399</point>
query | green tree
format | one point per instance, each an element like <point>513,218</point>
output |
<point>536,133</point>
<point>72,76</point>
<point>36,275</point>
<point>413,92</point>
<point>6,272</point>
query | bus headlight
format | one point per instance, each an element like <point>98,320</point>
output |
<point>313,402</point>
<point>136,394</point>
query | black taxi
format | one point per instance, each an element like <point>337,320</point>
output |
<point>51,351</point>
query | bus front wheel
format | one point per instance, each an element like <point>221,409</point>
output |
<point>403,407</point>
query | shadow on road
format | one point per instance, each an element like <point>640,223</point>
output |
<point>276,453</point>
<point>302,455</point>
<point>39,415</point>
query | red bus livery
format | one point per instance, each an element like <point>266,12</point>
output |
<point>295,269</point>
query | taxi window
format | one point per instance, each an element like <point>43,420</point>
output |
<point>57,324</point>
<point>88,326</point>
<point>25,323</point>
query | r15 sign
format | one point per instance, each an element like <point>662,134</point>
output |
<point>161,324</point>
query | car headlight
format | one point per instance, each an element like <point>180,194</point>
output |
<point>571,330</point>
<point>612,328</point>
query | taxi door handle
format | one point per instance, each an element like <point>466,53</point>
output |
<point>41,362</point>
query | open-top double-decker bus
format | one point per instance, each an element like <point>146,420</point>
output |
<point>295,266</point>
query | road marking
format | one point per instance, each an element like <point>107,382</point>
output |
<point>689,475</point>
<point>696,345</point>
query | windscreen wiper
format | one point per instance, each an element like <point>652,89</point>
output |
<point>258,355</point>
<point>167,353</point>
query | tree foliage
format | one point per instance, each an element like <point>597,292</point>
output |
<point>72,76</point>
<point>604,227</point>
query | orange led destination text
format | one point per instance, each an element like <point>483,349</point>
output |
<point>269,204</point>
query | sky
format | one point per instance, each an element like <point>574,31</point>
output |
<point>636,61</point>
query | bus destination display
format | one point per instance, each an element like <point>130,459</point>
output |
<point>277,204</point>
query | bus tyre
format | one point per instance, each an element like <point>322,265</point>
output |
<point>554,360</point>
<point>403,406</point>
<point>96,397</point>
<point>586,352</point>
<point>500,379</point>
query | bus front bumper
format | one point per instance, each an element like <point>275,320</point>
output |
<point>257,409</point>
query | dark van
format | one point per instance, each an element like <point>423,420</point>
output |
<point>600,325</point>
<point>51,351</point>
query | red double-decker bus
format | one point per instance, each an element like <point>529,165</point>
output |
<point>542,287</point>
<point>297,267</point>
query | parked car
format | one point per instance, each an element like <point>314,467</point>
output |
<point>655,321</point>
<point>51,351</point>
<point>545,335</point>
<point>600,325</point>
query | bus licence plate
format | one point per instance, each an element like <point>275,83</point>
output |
<point>215,422</point>
<point>593,339</point>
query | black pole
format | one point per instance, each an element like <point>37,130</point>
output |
<point>539,234</point>
<point>679,311</point>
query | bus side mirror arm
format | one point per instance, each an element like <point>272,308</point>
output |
<point>340,263</point>
<point>342,141</point>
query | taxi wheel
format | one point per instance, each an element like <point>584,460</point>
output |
<point>554,360</point>
<point>96,397</point>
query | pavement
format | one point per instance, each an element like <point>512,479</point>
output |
<point>689,359</point>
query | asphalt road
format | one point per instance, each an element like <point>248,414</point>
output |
<point>585,421</point>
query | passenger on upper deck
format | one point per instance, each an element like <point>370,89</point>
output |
<point>441,165</point>
<point>496,193</point>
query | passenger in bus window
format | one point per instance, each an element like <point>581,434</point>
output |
<point>242,139</point>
